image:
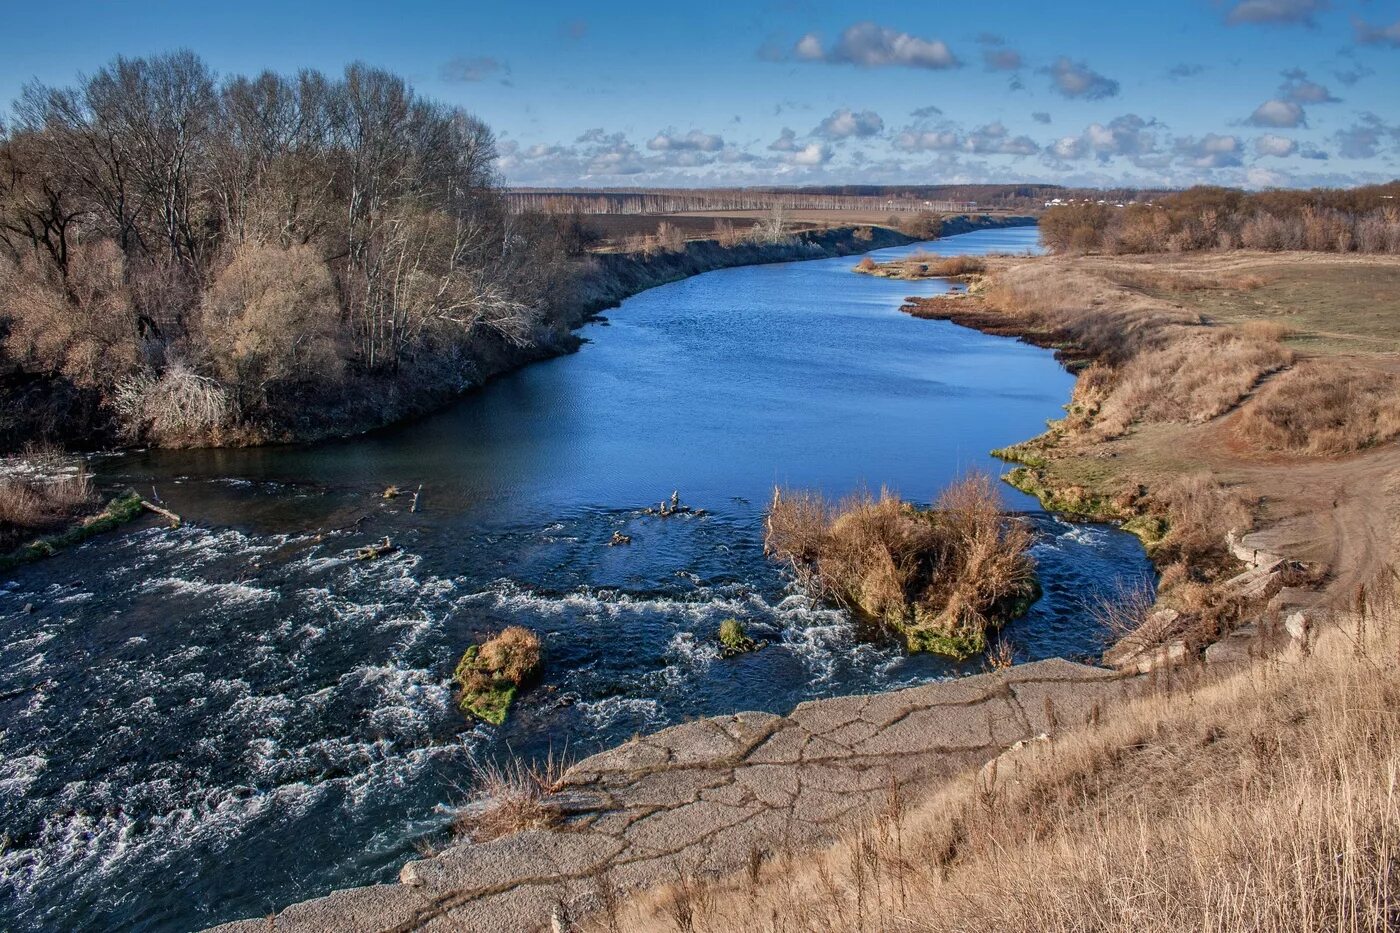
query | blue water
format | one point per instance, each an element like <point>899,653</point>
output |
<point>209,723</point>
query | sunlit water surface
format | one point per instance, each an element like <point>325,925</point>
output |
<point>209,723</point>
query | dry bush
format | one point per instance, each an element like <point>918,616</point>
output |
<point>512,797</point>
<point>270,319</point>
<point>670,238</point>
<point>84,327</point>
<point>512,655</point>
<point>727,235</point>
<point>1324,407</point>
<point>1195,378</point>
<point>941,577</point>
<point>1263,799</point>
<point>866,264</point>
<point>1200,512</point>
<point>178,404</point>
<point>948,266</point>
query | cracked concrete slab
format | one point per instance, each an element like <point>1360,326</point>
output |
<point>699,797</point>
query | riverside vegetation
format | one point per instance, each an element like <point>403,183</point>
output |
<point>489,674</point>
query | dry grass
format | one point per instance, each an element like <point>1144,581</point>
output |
<point>30,504</point>
<point>511,798</point>
<point>1261,329</point>
<point>1197,377</point>
<point>1263,800</point>
<point>1324,407</point>
<point>941,577</point>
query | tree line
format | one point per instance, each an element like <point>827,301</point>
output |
<point>1365,220</point>
<point>201,259</point>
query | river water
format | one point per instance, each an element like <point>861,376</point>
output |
<point>209,723</point>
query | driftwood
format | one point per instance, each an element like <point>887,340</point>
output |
<point>619,538</point>
<point>419,492</point>
<point>378,549</point>
<point>168,515</point>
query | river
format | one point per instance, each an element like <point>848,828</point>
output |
<point>208,723</point>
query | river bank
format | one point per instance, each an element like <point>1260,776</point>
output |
<point>1144,473</point>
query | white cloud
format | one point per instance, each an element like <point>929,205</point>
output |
<point>1280,113</point>
<point>1076,79</point>
<point>472,69</point>
<point>869,45</point>
<point>1210,151</point>
<point>1276,146</point>
<point>810,154</point>
<point>1274,11</point>
<point>694,141</point>
<point>843,124</point>
<point>1368,34</point>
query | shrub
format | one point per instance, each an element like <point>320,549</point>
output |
<point>734,639</point>
<point>940,577</point>
<point>513,797</point>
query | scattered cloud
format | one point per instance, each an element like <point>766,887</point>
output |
<point>923,113</point>
<point>996,56</point>
<point>991,139</point>
<point>473,69</point>
<point>786,141</point>
<point>1002,59</point>
<point>1275,12</point>
<point>1368,34</point>
<point>575,29</point>
<point>1129,135</point>
<point>810,154</point>
<point>1040,116</point>
<point>1297,88</point>
<point>1367,137</point>
<point>1278,113</point>
<point>1076,79</point>
<point>869,45</point>
<point>694,141</point>
<point>1210,151</point>
<point>1276,146</point>
<point>844,124</point>
<point>1184,70</point>
<point>1310,151</point>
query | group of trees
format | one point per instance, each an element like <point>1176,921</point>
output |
<point>200,257</point>
<point>1363,220</point>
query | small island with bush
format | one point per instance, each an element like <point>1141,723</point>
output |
<point>943,578</point>
<point>490,674</point>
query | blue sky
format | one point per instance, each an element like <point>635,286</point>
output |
<point>1248,92</point>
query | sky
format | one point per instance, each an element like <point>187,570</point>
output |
<point>1257,93</point>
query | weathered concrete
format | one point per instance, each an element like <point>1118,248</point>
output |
<point>700,797</point>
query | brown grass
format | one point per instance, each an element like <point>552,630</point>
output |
<point>512,655</point>
<point>1324,407</point>
<point>943,574</point>
<point>1266,330</point>
<point>30,504</point>
<point>1197,377</point>
<point>1266,799</point>
<point>512,797</point>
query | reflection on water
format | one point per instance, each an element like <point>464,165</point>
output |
<point>208,723</point>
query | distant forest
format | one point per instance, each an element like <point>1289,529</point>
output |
<point>1365,220</point>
